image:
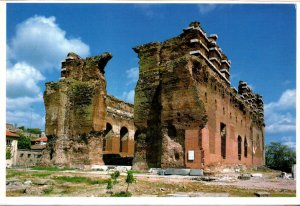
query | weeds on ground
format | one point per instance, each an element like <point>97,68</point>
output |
<point>14,173</point>
<point>51,168</point>
<point>41,174</point>
<point>121,194</point>
<point>78,179</point>
<point>47,191</point>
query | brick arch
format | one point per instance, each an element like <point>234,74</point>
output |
<point>124,132</point>
<point>107,135</point>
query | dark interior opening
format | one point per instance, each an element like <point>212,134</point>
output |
<point>116,159</point>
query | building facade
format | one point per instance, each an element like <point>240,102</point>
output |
<point>84,125</point>
<point>187,113</point>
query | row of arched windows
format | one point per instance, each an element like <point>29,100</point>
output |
<point>109,131</point>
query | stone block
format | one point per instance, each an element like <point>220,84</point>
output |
<point>244,177</point>
<point>196,172</point>
<point>99,167</point>
<point>262,194</point>
<point>169,171</point>
<point>175,171</point>
<point>294,171</point>
<point>161,172</point>
<point>256,175</point>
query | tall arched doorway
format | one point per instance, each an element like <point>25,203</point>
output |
<point>123,136</point>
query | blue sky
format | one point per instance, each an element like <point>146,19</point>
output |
<point>260,41</point>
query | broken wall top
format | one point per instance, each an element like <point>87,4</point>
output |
<point>87,69</point>
<point>194,42</point>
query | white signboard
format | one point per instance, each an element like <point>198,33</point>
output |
<point>191,155</point>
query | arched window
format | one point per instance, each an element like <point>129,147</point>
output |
<point>239,147</point>
<point>245,147</point>
<point>107,133</point>
<point>123,135</point>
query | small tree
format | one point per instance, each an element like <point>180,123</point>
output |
<point>24,142</point>
<point>280,157</point>
<point>129,179</point>
<point>110,185</point>
<point>114,176</point>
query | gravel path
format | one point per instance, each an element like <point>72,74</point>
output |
<point>261,183</point>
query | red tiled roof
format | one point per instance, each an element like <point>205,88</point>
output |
<point>10,134</point>
<point>41,139</point>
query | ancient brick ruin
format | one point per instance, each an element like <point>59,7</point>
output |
<point>186,112</point>
<point>83,123</point>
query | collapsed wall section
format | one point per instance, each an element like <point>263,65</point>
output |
<point>76,112</point>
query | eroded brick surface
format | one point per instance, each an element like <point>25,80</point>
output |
<point>184,102</point>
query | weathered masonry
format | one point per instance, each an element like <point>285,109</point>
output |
<point>85,126</point>
<point>185,110</point>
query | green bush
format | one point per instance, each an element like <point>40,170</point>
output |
<point>280,157</point>
<point>24,142</point>
<point>129,179</point>
<point>8,153</point>
<point>122,194</point>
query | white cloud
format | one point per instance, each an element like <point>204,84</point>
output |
<point>206,8</point>
<point>289,141</point>
<point>286,101</point>
<point>38,45</point>
<point>281,115</point>
<point>132,74</point>
<point>40,42</point>
<point>128,96</point>
<point>22,80</point>
<point>26,118</point>
<point>23,102</point>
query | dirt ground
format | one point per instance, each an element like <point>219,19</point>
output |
<point>27,182</point>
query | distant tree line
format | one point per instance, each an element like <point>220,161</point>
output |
<point>31,130</point>
<point>280,157</point>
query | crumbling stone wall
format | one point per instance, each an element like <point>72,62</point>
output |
<point>182,97</point>
<point>77,112</point>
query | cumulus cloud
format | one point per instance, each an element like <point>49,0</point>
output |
<point>281,115</point>
<point>40,42</point>
<point>286,101</point>
<point>128,96</point>
<point>206,8</point>
<point>22,80</point>
<point>132,75</point>
<point>289,141</point>
<point>23,102</point>
<point>26,118</point>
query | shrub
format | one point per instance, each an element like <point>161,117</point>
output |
<point>129,179</point>
<point>122,194</point>
<point>8,153</point>
<point>280,157</point>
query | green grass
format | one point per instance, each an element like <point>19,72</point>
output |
<point>77,179</point>
<point>122,194</point>
<point>51,168</point>
<point>10,174</point>
<point>47,191</point>
<point>40,174</point>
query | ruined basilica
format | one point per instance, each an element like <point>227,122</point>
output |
<point>186,114</point>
